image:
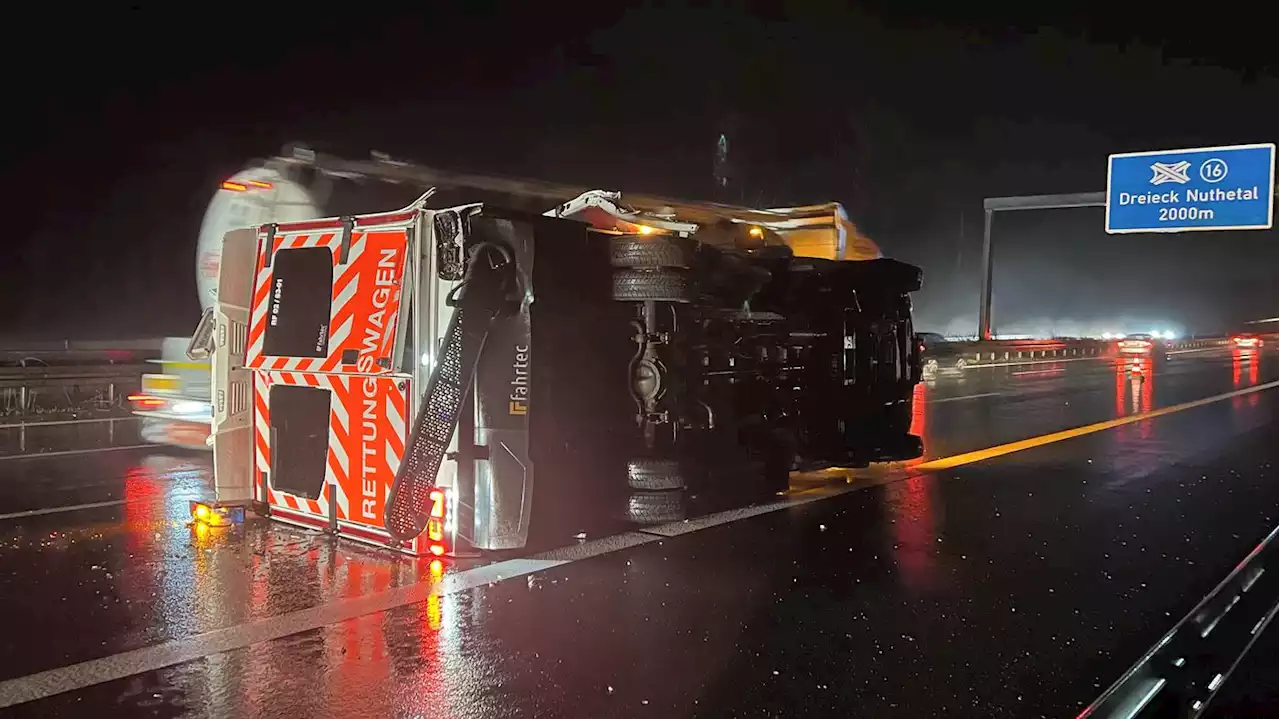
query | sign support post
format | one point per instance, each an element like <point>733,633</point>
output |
<point>1210,188</point>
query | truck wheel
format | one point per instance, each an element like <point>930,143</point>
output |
<point>650,252</point>
<point>899,416</point>
<point>779,459</point>
<point>651,285</point>
<point>656,507</point>
<point>773,252</point>
<point>654,474</point>
<point>736,278</point>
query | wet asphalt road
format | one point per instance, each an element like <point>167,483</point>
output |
<point>107,434</point>
<point>897,607</point>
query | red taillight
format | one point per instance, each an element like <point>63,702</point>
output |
<point>142,401</point>
<point>1247,341</point>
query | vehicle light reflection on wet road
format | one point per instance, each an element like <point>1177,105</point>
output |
<point>909,507</point>
<point>1244,372</point>
<point>447,655</point>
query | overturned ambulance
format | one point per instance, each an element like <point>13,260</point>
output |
<point>454,375</point>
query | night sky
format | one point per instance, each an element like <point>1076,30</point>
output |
<point>122,124</point>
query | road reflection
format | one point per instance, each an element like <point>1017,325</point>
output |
<point>1244,373</point>
<point>1135,382</point>
<point>910,506</point>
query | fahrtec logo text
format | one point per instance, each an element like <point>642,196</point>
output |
<point>520,383</point>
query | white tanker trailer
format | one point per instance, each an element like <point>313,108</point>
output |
<point>174,402</point>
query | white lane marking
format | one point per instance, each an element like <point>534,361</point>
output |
<point>89,673</point>
<point>147,659</point>
<point>63,453</point>
<point>940,400</point>
<point>688,526</point>
<point>74,508</point>
<point>1044,372</point>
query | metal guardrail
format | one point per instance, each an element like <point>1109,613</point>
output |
<point>976,354</point>
<point>70,390</point>
<point>996,352</point>
<point>1179,676</point>
<point>62,376</point>
<point>65,352</point>
<point>65,345</point>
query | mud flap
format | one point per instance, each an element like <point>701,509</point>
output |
<point>482,297</point>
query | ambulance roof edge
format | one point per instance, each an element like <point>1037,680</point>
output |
<point>395,217</point>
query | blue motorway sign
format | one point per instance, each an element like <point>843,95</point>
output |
<point>1209,188</point>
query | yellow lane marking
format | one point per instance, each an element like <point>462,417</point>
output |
<point>1011,447</point>
<point>182,365</point>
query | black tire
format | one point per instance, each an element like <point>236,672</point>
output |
<point>773,252</point>
<point>738,278</point>
<point>651,252</point>
<point>780,460</point>
<point>656,507</point>
<point>654,474</point>
<point>654,285</point>
<point>899,416</point>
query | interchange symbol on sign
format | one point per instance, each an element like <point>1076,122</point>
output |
<point>1164,172</point>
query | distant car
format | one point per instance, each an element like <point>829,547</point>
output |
<point>1247,341</point>
<point>931,340</point>
<point>1139,343</point>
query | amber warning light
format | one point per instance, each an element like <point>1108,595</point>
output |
<point>246,185</point>
<point>436,541</point>
<point>214,515</point>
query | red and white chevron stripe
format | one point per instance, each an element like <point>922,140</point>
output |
<point>364,302</point>
<point>254,358</point>
<point>337,469</point>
